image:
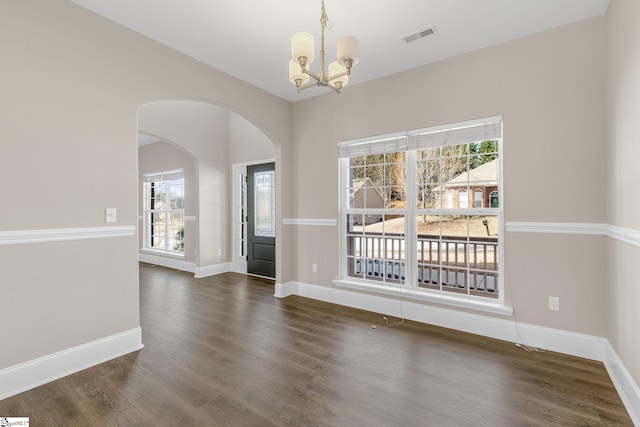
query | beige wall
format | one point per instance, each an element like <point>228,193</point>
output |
<point>622,196</point>
<point>163,156</point>
<point>247,143</point>
<point>73,85</point>
<point>62,294</point>
<point>550,89</point>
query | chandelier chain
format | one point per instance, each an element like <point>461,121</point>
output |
<point>323,18</point>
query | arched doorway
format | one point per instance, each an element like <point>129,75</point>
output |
<point>217,139</point>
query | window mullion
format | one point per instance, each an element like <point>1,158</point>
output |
<point>410,220</point>
<point>167,228</point>
<point>344,199</point>
<point>167,215</point>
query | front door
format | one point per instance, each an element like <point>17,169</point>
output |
<point>261,220</point>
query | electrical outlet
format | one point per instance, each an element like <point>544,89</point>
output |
<point>314,268</point>
<point>554,303</point>
<point>219,252</point>
<point>110,215</point>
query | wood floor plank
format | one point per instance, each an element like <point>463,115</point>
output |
<point>222,351</point>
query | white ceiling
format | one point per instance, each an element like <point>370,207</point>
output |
<point>250,39</point>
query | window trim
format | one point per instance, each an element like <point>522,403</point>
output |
<point>161,176</point>
<point>483,129</point>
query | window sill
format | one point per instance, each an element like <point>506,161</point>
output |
<point>425,295</point>
<point>161,252</point>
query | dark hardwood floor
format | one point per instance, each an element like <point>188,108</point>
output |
<point>223,351</point>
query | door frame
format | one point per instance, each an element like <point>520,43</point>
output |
<point>238,258</point>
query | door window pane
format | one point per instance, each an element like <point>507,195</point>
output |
<point>265,202</point>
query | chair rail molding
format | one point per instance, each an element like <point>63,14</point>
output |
<point>623,234</point>
<point>320,222</point>
<point>19,237</point>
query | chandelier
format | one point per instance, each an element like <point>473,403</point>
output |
<point>302,54</point>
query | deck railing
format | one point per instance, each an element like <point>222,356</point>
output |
<point>460,264</point>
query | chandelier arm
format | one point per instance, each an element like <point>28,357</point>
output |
<point>307,86</point>
<point>312,74</point>
<point>344,73</point>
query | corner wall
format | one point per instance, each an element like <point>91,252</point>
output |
<point>622,195</point>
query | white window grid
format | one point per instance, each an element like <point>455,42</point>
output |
<point>164,212</point>
<point>477,273</point>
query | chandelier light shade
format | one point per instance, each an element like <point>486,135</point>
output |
<point>302,47</point>
<point>348,49</point>
<point>303,54</point>
<point>295,73</point>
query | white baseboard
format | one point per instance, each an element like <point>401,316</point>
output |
<point>177,264</point>
<point>572,343</point>
<point>212,270</point>
<point>623,381</point>
<point>190,267</point>
<point>576,344</point>
<point>34,373</point>
<point>567,342</point>
<point>284,290</point>
<point>239,267</point>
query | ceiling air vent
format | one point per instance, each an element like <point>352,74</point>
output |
<point>419,34</point>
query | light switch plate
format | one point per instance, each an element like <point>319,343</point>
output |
<point>110,215</point>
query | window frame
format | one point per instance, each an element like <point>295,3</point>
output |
<point>410,288</point>
<point>167,177</point>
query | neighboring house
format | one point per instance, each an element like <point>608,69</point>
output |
<point>477,188</point>
<point>365,189</point>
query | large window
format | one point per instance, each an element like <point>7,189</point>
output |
<point>415,214</point>
<point>164,211</point>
